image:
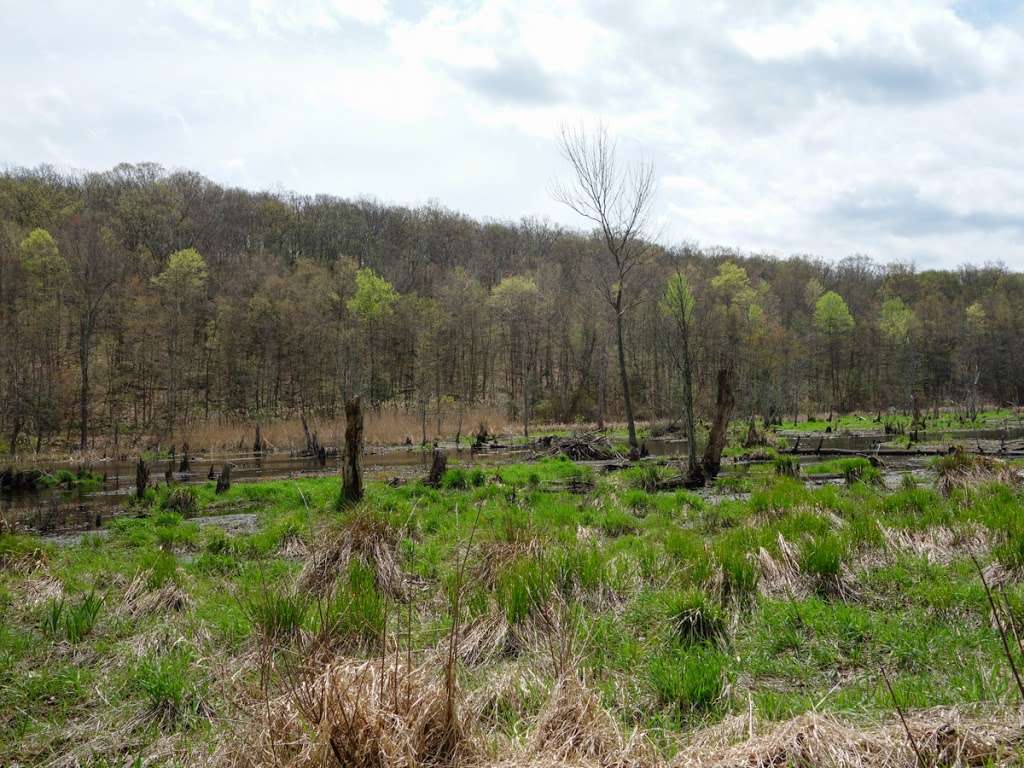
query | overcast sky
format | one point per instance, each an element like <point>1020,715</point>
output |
<point>888,128</point>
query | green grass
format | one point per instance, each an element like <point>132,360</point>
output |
<point>673,621</point>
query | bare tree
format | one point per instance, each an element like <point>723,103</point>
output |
<point>618,200</point>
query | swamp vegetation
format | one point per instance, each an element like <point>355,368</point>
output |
<point>542,613</point>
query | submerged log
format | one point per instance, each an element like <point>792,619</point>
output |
<point>352,470</point>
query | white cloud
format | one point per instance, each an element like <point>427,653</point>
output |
<point>821,126</point>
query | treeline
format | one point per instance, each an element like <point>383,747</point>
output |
<point>138,301</point>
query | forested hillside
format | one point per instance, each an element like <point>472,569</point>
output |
<point>141,300</point>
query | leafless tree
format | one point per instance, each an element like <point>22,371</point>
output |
<point>617,199</point>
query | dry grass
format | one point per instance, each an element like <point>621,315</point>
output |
<point>484,638</point>
<point>391,425</point>
<point>573,728</point>
<point>140,600</point>
<point>943,737</point>
<point>383,712</point>
<point>365,536</point>
<point>964,471</point>
<point>939,545</point>
<point>783,576</point>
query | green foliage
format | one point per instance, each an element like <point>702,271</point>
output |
<point>524,586</point>
<point>184,277</point>
<point>79,618</point>
<point>691,681</point>
<point>896,321</point>
<point>695,619</point>
<point>374,297</point>
<point>786,466</point>
<point>356,613</point>
<point>274,610</point>
<point>822,556</point>
<point>46,269</point>
<point>678,299</point>
<point>183,501</point>
<point>831,315</point>
<point>171,685</point>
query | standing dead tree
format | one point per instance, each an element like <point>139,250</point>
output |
<point>352,471</point>
<point>438,466</point>
<point>141,478</point>
<point>724,402</point>
<point>618,201</point>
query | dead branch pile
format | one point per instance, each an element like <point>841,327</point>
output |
<point>583,446</point>
<point>367,537</point>
<point>943,737</point>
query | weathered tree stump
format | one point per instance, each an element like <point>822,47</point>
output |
<point>169,472</point>
<point>184,467</point>
<point>211,475</point>
<point>141,478</point>
<point>438,466</point>
<point>724,402</point>
<point>257,444</point>
<point>224,481</point>
<point>352,470</point>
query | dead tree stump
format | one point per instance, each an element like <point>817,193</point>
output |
<point>184,467</point>
<point>257,445</point>
<point>141,478</point>
<point>224,481</point>
<point>352,470</point>
<point>169,472</point>
<point>724,402</point>
<point>438,466</point>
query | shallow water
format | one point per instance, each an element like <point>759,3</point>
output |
<point>53,510</point>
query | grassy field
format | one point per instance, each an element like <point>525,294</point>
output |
<point>529,614</point>
<point>862,422</point>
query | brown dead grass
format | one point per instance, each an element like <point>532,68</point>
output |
<point>573,728</point>
<point>384,712</point>
<point>944,737</point>
<point>391,425</point>
<point>364,536</point>
<point>782,576</point>
<point>939,545</point>
<point>960,471</point>
<point>140,600</point>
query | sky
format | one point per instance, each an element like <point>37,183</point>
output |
<point>891,129</point>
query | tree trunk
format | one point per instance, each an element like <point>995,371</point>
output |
<point>438,466</point>
<point>224,481</point>
<point>83,396</point>
<point>724,402</point>
<point>141,478</point>
<point>626,399</point>
<point>352,477</point>
<point>691,431</point>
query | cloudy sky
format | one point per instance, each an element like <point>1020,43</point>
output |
<point>887,128</point>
